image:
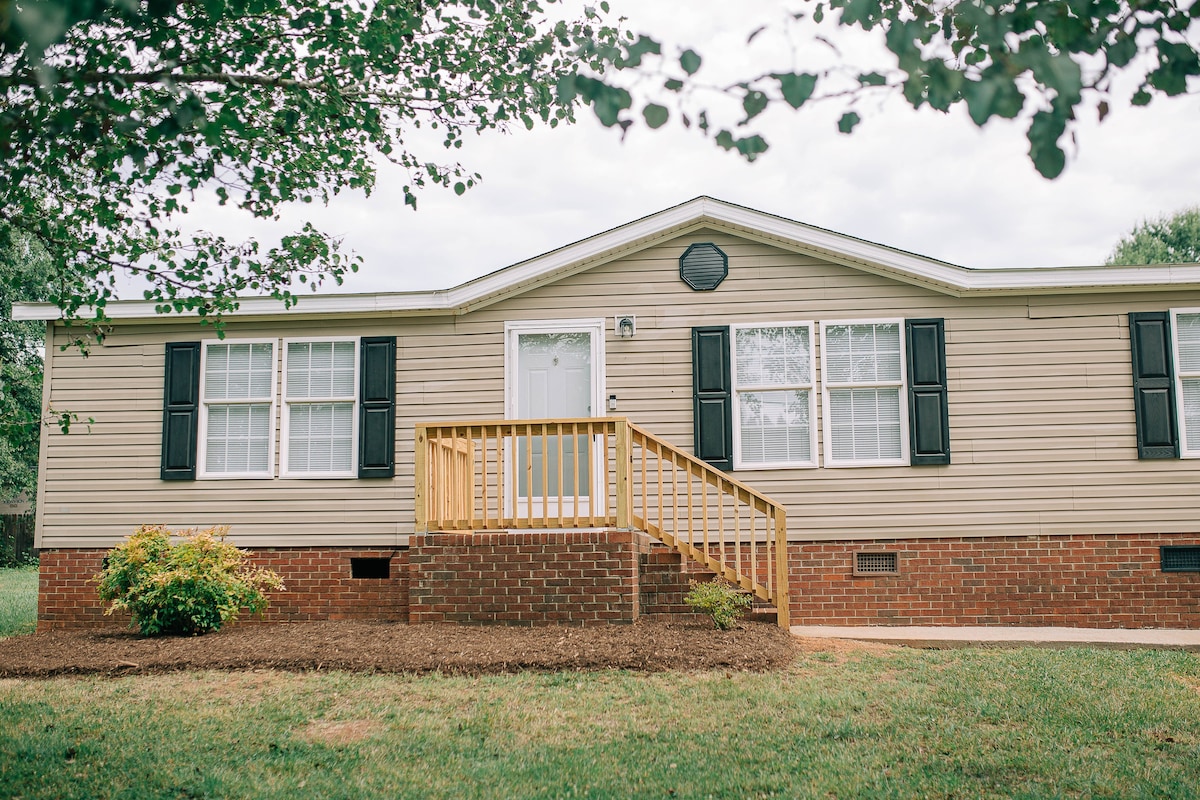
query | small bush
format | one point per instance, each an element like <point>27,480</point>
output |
<point>720,599</point>
<point>188,588</point>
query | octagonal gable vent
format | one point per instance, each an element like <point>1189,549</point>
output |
<point>703,266</point>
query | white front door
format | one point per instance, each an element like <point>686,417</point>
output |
<point>555,372</point>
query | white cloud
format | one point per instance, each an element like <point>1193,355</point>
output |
<point>921,181</point>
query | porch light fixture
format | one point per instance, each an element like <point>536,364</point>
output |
<point>625,325</point>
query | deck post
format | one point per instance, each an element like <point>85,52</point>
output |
<point>421,478</point>
<point>781,567</point>
<point>624,458</point>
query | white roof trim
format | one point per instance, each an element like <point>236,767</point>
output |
<point>702,212</point>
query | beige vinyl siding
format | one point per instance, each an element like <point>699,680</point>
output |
<point>1041,409</point>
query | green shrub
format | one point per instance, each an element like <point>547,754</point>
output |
<point>188,588</point>
<point>720,599</point>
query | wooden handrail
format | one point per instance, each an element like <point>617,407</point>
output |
<point>595,472</point>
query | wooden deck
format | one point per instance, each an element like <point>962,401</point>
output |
<point>495,475</point>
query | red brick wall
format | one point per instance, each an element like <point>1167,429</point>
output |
<point>525,577</point>
<point>1081,581</point>
<point>318,582</point>
<point>66,594</point>
<point>590,577</point>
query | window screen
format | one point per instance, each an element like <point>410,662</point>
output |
<point>773,379</point>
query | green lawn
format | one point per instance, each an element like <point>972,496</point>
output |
<point>898,723</point>
<point>18,600</point>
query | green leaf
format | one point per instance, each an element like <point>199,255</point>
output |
<point>848,121</point>
<point>689,60</point>
<point>1044,132</point>
<point>655,115</point>
<point>753,104</point>
<point>796,87</point>
<point>460,188</point>
<point>993,95</point>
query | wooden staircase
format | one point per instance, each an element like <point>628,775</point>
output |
<point>600,472</point>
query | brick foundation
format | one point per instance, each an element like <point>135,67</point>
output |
<point>318,581</point>
<point>590,577</point>
<point>526,577</point>
<point>1078,581</point>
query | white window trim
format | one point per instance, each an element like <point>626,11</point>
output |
<point>1180,427</point>
<point>826,418</point>
<point>285,421</point>
<point>202,431</point>
<point>736,390</point>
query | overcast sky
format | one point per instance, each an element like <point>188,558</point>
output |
<point>925,182</point>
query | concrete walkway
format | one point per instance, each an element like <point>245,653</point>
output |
<point>944,637</point>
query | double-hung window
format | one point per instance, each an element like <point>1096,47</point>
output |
<point>320,401</point>
<point>864,397</point>
<point>773,401</point>
<point>1187,380</point>
<point>238,416</point>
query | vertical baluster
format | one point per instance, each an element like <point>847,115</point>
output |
<point>562,473</point>
<point>737,529</point>
<point>516,462</point>
<point>451,456</point>
<point>575,473</point>
<point>691,517</point>
<point>499,476</point>
<point>704,506</point>
<point>545,478</point>
<point>659,516</point>
<point>643,494</point>
<point>528,517</point>
<point>721,516</point>
<point>769,525</point>
<point>602,492</point>
<point>440,475</point>
<point>675,499</point>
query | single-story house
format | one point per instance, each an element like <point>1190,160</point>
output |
<point>859,435</point>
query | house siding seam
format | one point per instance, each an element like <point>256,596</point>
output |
<point>589,577</point>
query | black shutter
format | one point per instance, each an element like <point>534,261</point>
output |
<point>181,411</point>
<point>377,407</point>
<point>712,413</point>
<point>928,408</point>
<point>1153,384</point>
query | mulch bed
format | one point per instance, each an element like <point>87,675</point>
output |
<point>649,646</point>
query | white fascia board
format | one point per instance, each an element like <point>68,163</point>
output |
<point>678,220</point>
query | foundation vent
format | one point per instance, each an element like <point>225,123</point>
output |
<point>371,568</point>
<point>876,563</point>
<point>1181,558</point>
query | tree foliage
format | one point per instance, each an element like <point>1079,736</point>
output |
<point>1047,61</point>
<point>25,274</point>
<point>1171,239</point>
<point>120,116</point>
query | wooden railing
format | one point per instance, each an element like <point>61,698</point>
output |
<point>598,472</point>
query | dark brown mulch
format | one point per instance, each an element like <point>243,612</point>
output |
<point>649,646</point>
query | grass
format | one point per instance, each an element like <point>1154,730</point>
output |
<point>888,723</point>
<point>18,600</point>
